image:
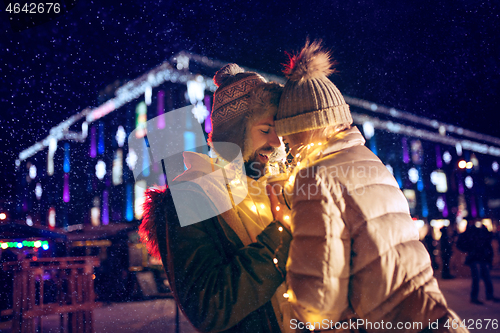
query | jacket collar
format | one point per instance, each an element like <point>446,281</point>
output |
<point>343,140</point>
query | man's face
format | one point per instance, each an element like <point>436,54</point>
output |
<point>264,141</point>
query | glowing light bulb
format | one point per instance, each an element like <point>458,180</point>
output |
<point>280,229</point>
<point>262,206</point>
<point>469,182</point>
<point>413,175</point>
<point>447,157</point>
<point>100,169</point>
<point>287,217</point>
<point>254,209</point>
<point>277,208</point>
<point>462,164</point>
<point>285,295</point>
<point>495,166</point>
<point>275,260</point>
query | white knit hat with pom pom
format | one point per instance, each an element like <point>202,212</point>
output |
<point>310,100</point>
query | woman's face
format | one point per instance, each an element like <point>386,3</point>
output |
<point>295,141</point>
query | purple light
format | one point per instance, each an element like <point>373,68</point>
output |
<point>406,154</point>
<point>93,142</point>
<point>161,180</point>
<point>161,109</point>
<point>105,208</point>
<point>208,119</point>
<point>439,160</point>
<point>460,185</point>
<point>473,209</point>
<point>445,209</point>
<point>66,188</point>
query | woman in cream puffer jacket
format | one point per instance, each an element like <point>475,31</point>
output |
<point>355,251</point>
<point>355,254</point>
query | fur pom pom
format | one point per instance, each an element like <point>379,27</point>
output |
<point>226,72</point>
<point>154,217</point>
<point>311,62</point>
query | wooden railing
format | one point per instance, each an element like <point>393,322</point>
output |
<point>46,286</point>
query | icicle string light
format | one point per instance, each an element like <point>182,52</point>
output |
<point>66,188</point>
<point>105,208</point>
<point>66,163</point>
<point>161,109</point>
<point>100,145</point>
<point>406,153</point>
<point>439,160</point>
<point>93,142</point>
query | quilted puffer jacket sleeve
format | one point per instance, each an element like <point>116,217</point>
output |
<point>318,265</point>
<point>216,279</point>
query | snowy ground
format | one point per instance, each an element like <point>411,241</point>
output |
<point>159,315</point>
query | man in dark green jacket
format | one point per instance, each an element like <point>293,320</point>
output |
<point>226,271</point>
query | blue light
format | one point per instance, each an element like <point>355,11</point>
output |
<point>100,145</point>
<point>425,209</point>
<point>481,206</point>
<point>145,158</point>
<point>45,246</point>
<point>66,166</point>
<point>129,208</point>
<point>420,182</point>
<point>397,175</point>
<point>19,245</point>
<point>373,145</point>
<point>189,141</point>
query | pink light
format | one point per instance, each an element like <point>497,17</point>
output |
<point>102,110</point>
<point>208,119</point>
<point>66,188</point>
<point>161,109</point>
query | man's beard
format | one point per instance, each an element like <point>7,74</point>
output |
<point>256,165</point>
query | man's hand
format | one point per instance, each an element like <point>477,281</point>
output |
<point>280,212</point>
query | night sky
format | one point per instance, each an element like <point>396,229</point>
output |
<point>439,59</point>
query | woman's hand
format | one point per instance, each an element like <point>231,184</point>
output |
<point>280,212</point>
